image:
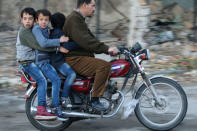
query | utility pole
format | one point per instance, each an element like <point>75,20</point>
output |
<point>195,17</point>
<point>193,37</point>
<point>98,8</point>
<point>45,4</point>
<point>0,8</point>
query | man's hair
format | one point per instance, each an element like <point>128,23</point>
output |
<point>44,12</point>
<point>81,2</point>
<point>29,11</point>
<point>57,20</point>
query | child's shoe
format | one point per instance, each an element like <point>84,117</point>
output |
<point>58,112</point>
<point>43,115</point>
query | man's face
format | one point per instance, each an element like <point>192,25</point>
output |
<point>43,21</point>
<point>90,8</point>
<point>27,20</point>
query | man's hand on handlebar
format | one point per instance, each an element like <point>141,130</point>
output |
<point>113,51</point>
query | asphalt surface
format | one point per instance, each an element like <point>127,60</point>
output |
<point>13,117</point>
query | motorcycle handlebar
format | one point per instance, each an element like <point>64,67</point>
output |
<point>136,48</point>
<point>121,50</point>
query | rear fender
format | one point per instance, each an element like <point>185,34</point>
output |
<point>30,89</point>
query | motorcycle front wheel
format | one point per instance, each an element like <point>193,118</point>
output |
<point>167,114</point>
<point>31,106</point>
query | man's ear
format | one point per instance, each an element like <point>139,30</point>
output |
<point>84,5</point>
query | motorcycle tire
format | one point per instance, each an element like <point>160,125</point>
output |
<point>39,124</point>
<point>152,118</point>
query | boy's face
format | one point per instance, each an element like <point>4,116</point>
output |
<point>27,20</point>
<point>43,21</point>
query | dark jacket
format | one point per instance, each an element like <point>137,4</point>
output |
<point>42,36</point>
<point>57,59</point>
<point>77,30</point>
<point>57,33</point>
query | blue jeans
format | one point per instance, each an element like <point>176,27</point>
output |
<point>67,71</point>
<point>51,74</point>
<point>41,82</point>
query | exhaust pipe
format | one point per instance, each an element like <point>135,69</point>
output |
<point>87,115</point>
<point>83,115</point>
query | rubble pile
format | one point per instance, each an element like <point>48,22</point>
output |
<point>169,23</point>
<point>173,53</point>
<point>172,50</point>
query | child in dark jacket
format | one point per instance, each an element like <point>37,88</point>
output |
<point>57,22</point>
<point>57,59</point>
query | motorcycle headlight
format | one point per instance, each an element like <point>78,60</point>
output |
<point>144,54</point>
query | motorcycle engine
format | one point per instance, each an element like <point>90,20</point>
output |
<point>110,89</point>
<point>105,102</point>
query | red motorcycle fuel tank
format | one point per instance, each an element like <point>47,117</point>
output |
<point>119,68</point>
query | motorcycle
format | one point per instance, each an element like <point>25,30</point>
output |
<point>159,103</point>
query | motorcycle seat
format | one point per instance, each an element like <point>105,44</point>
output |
<point>77,77</point>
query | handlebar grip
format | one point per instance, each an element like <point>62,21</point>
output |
<point>121,50</point>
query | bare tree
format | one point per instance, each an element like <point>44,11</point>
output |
<point>0,8</point>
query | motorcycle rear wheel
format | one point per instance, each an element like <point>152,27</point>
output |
<point>169,113</point>
<point>31,105</point>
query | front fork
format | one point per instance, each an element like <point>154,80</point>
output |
<point>150,86</point>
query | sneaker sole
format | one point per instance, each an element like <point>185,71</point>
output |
<point>68,106</point>
<point>62,119</point>
<point>46,118</point>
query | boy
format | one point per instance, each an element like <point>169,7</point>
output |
<point>26,56</point>
<point>57,59</point>
<point>57,21</point>
<point>40,31</point>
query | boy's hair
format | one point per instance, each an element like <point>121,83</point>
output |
<point>57,20</point>
<point>44,12</point>
<point>81,2</point>
<point>29,11</point>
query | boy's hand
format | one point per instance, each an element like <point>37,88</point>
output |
<point>63,50</point>
<point>64,39</point>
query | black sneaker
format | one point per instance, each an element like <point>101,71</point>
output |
<point>95,103</point>
<point>58,112</point>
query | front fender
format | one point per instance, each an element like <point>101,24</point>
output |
<point>151,78</point>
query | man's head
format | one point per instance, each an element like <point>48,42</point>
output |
<point>58,20</point>
<point>27,17</point>
<point>43,18</point>
<point>86,7</point>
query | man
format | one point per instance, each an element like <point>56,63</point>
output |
<point>82,60</point>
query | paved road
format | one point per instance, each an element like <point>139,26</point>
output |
<point>13,118</point>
